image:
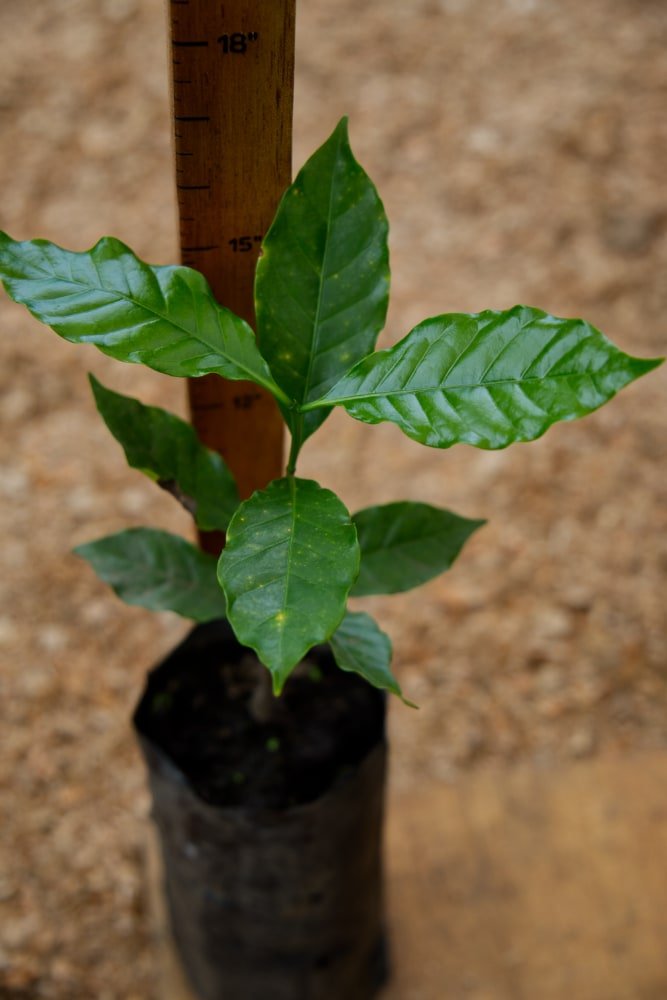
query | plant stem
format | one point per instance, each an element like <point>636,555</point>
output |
<point>171,486</point>
<point>297,441</point>
<point>263,704</point>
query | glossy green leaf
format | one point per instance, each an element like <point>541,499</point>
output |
<point>322,283</point>
<point>158,571</point>
<point>487,379</point>
<point>290,560</point>
<point>162,317</point>
<point>168,450</point>
<point>360,646</point>
<point>405,544</point>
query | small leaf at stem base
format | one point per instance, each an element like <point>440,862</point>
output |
<point>359,646</point>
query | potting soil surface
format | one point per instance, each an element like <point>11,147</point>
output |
<point>519,147</point>
<point>201,710</point>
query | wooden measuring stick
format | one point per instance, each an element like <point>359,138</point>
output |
<point>232,90</point>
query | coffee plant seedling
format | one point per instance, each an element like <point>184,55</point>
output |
<point>294,554</point>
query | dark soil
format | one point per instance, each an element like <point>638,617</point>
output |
<point>197,709</point>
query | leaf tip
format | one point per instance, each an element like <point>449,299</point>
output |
<point>343,126</point>
<point>80,551</point>
<point>6,244</point>
<point>646,365</point>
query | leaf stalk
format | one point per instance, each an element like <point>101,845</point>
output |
<point>297,443</point>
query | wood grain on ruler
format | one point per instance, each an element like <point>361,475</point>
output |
<point>233,67</point>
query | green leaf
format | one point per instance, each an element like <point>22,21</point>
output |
<point>405,544</point>
<point>290,560</point>
<point>487,379</point>
<point>322,283</point>
<point>162,317</point>
<point>158,571</point>
<point>168,450</point>
<point>359,646</point>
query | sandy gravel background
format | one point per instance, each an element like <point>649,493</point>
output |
<point>520,148</point>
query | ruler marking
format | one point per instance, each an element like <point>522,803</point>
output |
<point>190,45</point>
<point>193,187</point>
<point>192,118</point>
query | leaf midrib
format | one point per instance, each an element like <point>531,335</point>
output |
<point>358,397</point>
<point>320,290</point>
<point>292,532</point>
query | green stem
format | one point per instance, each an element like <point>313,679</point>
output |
<point>297,442</point>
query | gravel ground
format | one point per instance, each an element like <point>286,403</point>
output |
<point>519,146</point>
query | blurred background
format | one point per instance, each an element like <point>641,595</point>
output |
<point>520,149</point>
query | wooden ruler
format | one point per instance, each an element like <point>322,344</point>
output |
<point>232,92</point>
